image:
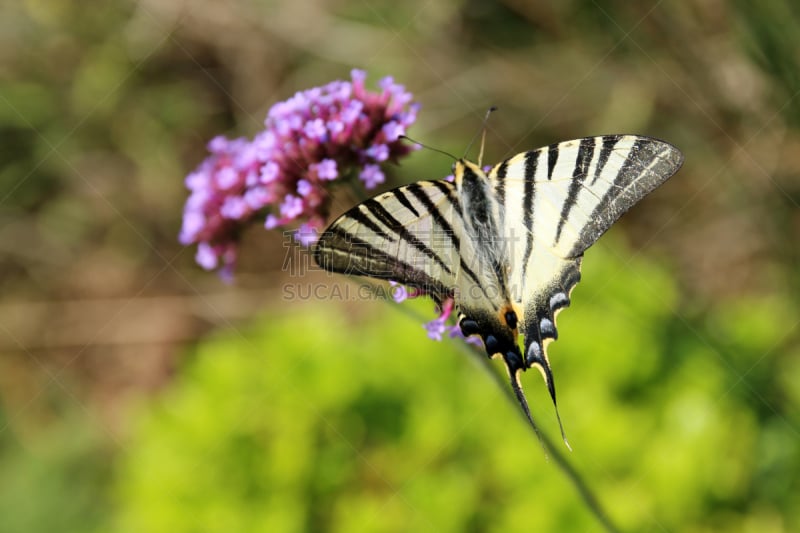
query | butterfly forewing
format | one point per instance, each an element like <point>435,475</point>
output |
<point>577,189</point>
<point>410,235</point>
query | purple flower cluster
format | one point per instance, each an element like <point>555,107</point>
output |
<point>283,175</point>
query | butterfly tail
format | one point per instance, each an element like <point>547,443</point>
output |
<point>523,402</point>
<point>536,357</point>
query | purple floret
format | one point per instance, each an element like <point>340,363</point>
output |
<point>372,176</point>
<point>435,328</point>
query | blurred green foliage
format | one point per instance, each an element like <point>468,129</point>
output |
<point>370,426</point>
<point>55,479</point>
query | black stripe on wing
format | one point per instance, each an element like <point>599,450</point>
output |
<point>584,159</point>
<point>360,217</point>
<point>552,159</point>
<point>609,142</point>
<point>394,225</point>
<point>500,191</point>
<point>404,201</point>
<point>445,227</point>
<point>340,251</point>
<point>449,194</point>
<point>531,161</point>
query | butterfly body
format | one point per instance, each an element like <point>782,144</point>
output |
<point>505,245</point>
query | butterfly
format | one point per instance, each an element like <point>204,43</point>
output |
<point>505,244</point>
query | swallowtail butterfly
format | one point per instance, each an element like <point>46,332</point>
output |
<point>506,245</point>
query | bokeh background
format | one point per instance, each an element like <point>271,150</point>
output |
<point>140,393</point>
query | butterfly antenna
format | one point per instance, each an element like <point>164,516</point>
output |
<point>406,137</point>
<point>482,133</point>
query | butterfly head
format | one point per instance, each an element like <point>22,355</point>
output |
<point>464,169</point>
